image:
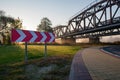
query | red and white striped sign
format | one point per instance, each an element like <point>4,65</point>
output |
<point>31,36</point>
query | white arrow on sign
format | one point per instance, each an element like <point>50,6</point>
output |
<point>44,37</point>
<point>34,36</point>
<point>52,37</point>
<point>22,36</point>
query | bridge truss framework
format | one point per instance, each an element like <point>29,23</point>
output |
<point>100,19</point>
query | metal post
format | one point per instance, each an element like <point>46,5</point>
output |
<point>26,54</point>
<point>94,18</point>
<point>45,53</point>
<point>111,13</point>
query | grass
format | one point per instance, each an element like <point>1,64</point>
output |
<point>12,54</point>
<point>12,65</point>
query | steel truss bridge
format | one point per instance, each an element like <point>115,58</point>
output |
<point>98,19</point>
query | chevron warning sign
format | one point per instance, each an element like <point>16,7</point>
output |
<point>31,36</point>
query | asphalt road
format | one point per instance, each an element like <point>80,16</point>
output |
<point>114,50</point>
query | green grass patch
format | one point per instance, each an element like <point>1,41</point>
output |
<point>12,65</point>
<point>12,54</point>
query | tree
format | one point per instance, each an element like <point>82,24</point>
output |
<point>5,21</point>
<point>6,24</point>
<point>17,24</point>
<point>45,25</point>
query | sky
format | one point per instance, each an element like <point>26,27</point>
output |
<point>32,11</point>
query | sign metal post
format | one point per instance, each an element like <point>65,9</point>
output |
<point>45,44</point>
<point>45,50</point>
<point>26,53</point>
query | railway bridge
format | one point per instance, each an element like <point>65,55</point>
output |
<point>100,18</point>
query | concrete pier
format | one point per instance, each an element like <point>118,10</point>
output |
<point>94,40</point>
<point>65,40</point>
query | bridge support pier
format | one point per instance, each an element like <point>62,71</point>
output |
<point>66,41</point>
<point>94,40</point>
